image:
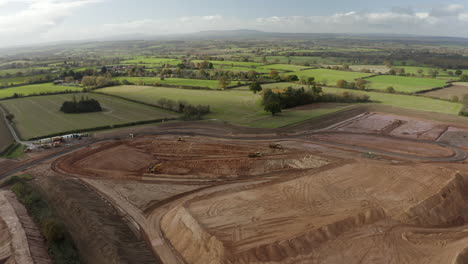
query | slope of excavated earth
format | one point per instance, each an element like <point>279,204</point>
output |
<point>375,188</point>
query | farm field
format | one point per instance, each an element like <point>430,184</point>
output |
<point>301,60</point>
<point>36,89</point>
<point>406,101</point>
<point>373,68</point>
<point>284,67</point>
<point>232,63</point>
<point>212,84</point>
<point>404,84</point>
<point>235,106</point>
<point>22,79</point>
<point>47,118</point>
<point>331,77</point>
<point>241,69</point>
<point>157,61</point>
<point>298,114</point>
<point>6,138</point>
<point>458,89</point>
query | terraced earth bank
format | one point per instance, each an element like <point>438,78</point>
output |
<point>375,188</point>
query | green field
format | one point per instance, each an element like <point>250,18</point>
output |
<point>233,63</point>
<point>238,107</point>
<point>157,61</point>
<point>21,79</point>
<point>212,84</point>
<point>331,77</point>
<point>404,84</point>
<point>407,101</point>
<point>6,139</point>
<point>293,116</point>
<point>241,69</point>
<point>40,116</point>
<point>36,89</point>
<point>404,101</point>
<point>284,67</point>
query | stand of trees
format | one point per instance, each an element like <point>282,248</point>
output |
<point>84,105</point>
<point>274,102</point>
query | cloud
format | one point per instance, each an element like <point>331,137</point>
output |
<point>38,17</point>
<point>42,20</point>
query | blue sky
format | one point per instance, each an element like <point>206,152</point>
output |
<point>36,21</point>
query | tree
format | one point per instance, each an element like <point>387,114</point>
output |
<point>341,84</point>
<point>255,87</point>
<point>10,117</point>
<point>389,64</point>
<point>271,102</point>
<point>274,73</point>
<point>464,78</point>
<point>361,84</point>
<point>89,81</point>
<point>104,70</point>
<point>390,89</point>
<point>224,82</point>
<point>458,72</point>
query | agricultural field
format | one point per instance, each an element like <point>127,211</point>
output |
<point>372,68</point>
<point>302,60</point>
<point>22,79</point>
<point>156,61</point>
<point>404,84</point>
<point>212,84</point>
<point>6,139</point>
<point>36,89</point>
<point>331,77</point>
<point>48,119</point>
<point>232,63</point>
<point>241,69</point>
<point>420,103</point>
<point>459,90</point>
<point>235,106</point>
<point>284,67</point>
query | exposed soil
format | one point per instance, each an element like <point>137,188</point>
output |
<point>191,194</point>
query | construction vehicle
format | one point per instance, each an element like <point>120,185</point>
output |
<point>181,139</point>
<point>276,146</point>
<point>256,155</point>
<point>155,168</point>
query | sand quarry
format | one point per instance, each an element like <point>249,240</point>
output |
<point>376,188</point>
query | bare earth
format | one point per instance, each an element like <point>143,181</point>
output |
<point>319,198</point>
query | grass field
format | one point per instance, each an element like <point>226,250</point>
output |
<point>212,84</point>
<point>21,80</point>
<point>293,116</point>
<point>36,89</point>
<point>407,101</point>
<point>331,77</point>
<point>404,101</point>
<point>233,63</point>
<point>6,139</point>
<point>284,67</point>
<point>235,106</point>
<point>39,116</point>
<point>241,69</point>
<point>158,61</point>
<point>404,84</point>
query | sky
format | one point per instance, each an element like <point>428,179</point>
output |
<point>24,22</point>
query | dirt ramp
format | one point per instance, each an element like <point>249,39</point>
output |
<point>5,244</point>
<point>287,222</point>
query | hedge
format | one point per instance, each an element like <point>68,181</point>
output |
<point>104,128</point>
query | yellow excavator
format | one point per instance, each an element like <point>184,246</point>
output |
<point>155,168</point>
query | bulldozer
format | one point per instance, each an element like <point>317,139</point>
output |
<point>256,155</point>
<point>154,168</point>
<point>276,146</point>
